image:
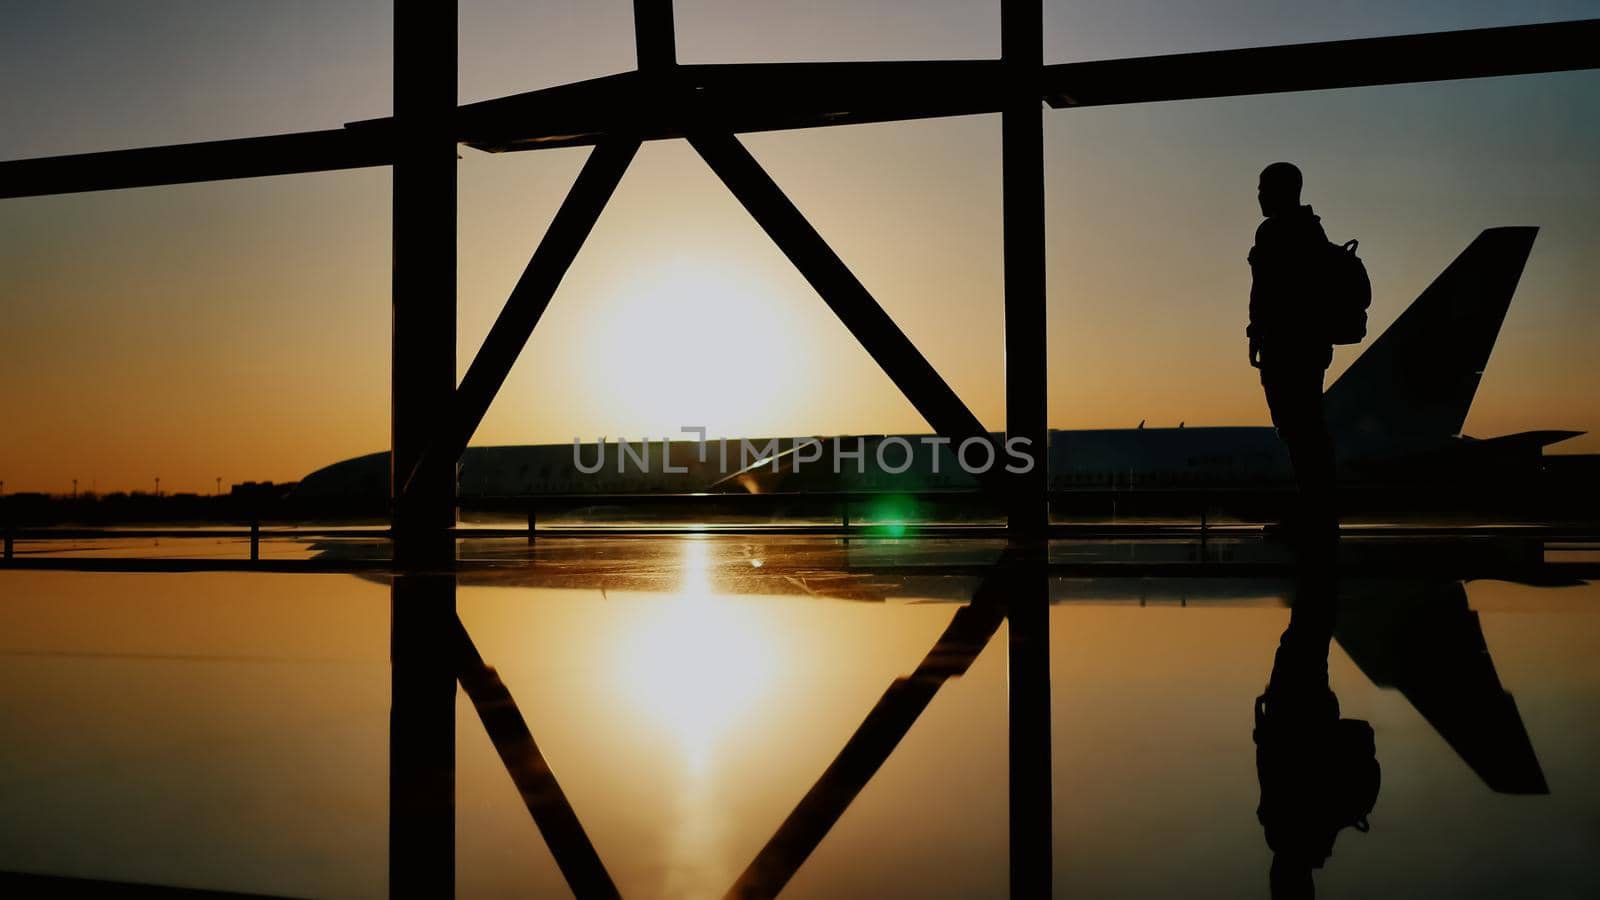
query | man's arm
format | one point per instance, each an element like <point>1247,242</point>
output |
<point>1252,329</point>
<point>1266,287</point>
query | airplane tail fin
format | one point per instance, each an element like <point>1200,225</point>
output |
<point>1411,389</point>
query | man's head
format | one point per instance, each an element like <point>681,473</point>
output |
<point>1280,189</point>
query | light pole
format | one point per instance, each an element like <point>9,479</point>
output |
<point>74,488</point>
<point>158,487</point>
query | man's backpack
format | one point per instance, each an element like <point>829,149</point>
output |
<point>1347,294</point>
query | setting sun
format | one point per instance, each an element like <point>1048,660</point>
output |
<point>694,342</point>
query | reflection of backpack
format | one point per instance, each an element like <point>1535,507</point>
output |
<point>1354,770</point>
<point>1317,778</point>
<point>1347,292</point>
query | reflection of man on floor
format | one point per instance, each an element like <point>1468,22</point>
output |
<point>1318,772</point>
<point>1288,342</point>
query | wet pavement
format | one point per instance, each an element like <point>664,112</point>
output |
<point>735,714</point>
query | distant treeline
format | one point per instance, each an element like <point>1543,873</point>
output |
<point>248,502</point>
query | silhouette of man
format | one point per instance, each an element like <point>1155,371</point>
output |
<point>1288,342</point>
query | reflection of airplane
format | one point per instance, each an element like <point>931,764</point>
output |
<point>1421,638</point>
<point>1426,642</point>
<point>1396,414</point>
<point>1414,635</point>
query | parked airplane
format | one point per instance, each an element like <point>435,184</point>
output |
<point>1395,415</point>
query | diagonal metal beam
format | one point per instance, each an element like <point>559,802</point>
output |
<point>279,154</point>
<point>885,726</point>
<point>845,295</point>
<point>551,810</point>
<point>1364,62</point>
<point>529,299</point>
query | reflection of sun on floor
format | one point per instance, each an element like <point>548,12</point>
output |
<point>697,662</point>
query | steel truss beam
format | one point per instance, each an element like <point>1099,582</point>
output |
<point>423,258</point>
<point>843,292</point>
<point>279,154</point>
<point>1023,251</point>
<point>1027,418</point>
<point>749,97</point>
<point>1364,62</point>
<point>654,39</point>
<point>800,242</point>
<point>529,299</point>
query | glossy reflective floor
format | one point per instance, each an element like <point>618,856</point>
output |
<point>699,716</point>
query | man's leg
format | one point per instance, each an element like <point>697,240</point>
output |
<point>1318,482</point>
<point>1294,397</point>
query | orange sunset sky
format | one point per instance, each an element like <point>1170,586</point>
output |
<point>241,329</point>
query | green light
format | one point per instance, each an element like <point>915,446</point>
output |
<point>891,513</point>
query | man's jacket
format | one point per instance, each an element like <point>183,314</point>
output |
<point>1285,265</point>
